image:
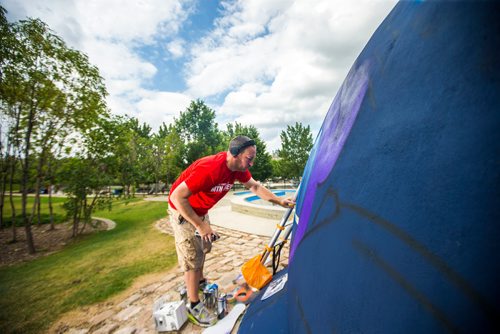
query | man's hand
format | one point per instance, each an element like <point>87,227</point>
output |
<point>287,203</point>
<point>206,232</point>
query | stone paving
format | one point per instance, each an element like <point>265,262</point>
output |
<point>131,312</point>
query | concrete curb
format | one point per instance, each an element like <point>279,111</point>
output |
<point>110,224</point>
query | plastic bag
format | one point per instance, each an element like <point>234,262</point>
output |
<point>255,273</point>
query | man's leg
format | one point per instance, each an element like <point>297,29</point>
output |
<point>197,311</point>
<point>202,277</point>
<point>206,249</point>
<point>191,255</point>
<point>192,280</point>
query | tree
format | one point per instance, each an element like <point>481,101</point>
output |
<point>87,174</point>
<point>10,117</point>
<point>167,155</point>
<point>278,172</point>
<point>198,131</point>
<point>143,131</point>
<point>85,179</point>
<point>296,144</point>
<point>174,163</point>
<point>262,168</point>
<point>147,155</point>
<point>126,151</point>
<point>51,89</point>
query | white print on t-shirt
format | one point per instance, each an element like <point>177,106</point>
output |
<point>221,187</point>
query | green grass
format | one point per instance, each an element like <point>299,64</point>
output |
<point>57,202</point>
<point>35,294</point>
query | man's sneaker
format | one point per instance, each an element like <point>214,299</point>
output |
<point>199,315</point>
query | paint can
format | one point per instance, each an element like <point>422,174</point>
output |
<point>215,292</point>
<point>210,294</point>
<point>183,294</point>
<point>230,299</point>
<point>207,297</point>
<point>221,306</point>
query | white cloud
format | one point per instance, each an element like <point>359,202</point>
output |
<point>60,15</point>
<point>118,62</point>
<point>129,21</point>
<point>151,107</point>
<point>112,30</point>
<point>295,54</point>
<point>156,108</point>
<point>176,48</point>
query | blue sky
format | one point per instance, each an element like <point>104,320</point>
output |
<point>267,63</point>
<point>170,71</point>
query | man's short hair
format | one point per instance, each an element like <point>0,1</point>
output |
<point>239,143</point>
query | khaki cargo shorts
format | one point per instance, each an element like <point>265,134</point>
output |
<point>191,250</point>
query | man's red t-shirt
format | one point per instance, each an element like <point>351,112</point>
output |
<point>209,180</point>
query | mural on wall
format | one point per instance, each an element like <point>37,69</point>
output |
<point>397,218</point>
<point>328,145</point>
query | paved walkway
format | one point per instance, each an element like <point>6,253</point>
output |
<point>131,312</point>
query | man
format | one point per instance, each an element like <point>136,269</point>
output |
<point>197,190</point>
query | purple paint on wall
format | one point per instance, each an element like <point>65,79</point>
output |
<point>333,134</point>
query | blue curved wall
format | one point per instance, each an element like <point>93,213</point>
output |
<point>398,214</point>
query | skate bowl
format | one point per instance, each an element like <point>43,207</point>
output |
<point>247,203</point>
<point>397,218</point>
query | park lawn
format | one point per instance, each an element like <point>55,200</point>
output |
<point>35,294</point>
<point>57,204</point>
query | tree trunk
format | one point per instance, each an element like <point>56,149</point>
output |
<point>38,186</point>
<point>41,177</point>
<point>11,198</point>
<point>5,167</point>
<point>6,161</point>
<point>156,185</point>
<point>50,180</point>
<point>2,197</point>
<point>76,217</point>
<point>51,208</point>
<point>14,147</point>
<point>75,223</point>
<point>24,183</point>
<point>38,213</point>
<point>27,225</point>
<point>36,204</point>
<point>85,215</point>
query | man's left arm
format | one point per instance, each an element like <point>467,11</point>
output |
<point>266,194</point>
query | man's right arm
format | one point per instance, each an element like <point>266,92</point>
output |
<point>179,198</point>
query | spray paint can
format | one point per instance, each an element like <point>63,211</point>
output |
<point>221,306</point>
<point>207,296</point>
<point>183,294</point>
<point>215,293</point>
